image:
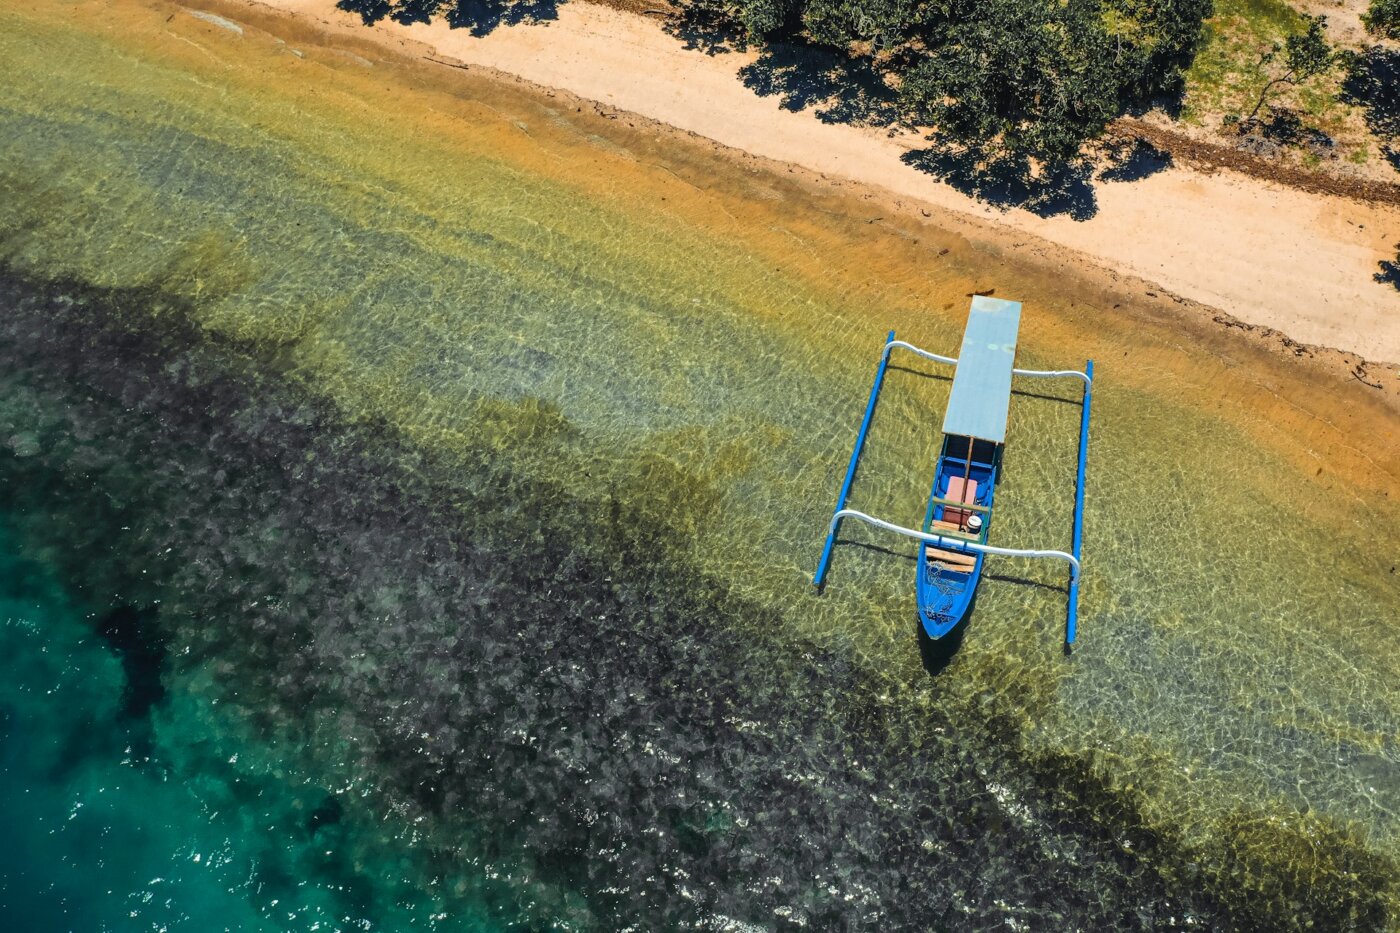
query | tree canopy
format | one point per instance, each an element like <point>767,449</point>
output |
<point>1306,54</point>
<point>1012,78</point>
<point>1383,19</point>
<point>1002,80</point>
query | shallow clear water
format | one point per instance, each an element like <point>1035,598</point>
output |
<point>465,462</point>
<point>409,723</point>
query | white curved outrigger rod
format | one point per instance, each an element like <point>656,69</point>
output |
<point>941,541</point>
<point>919,351</point>
<point>953,361</point>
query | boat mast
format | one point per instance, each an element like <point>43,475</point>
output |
<point>967,474</point>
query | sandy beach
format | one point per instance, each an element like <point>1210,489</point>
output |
<point>1300,263</point>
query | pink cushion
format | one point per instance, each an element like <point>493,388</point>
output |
<point>963,493</point>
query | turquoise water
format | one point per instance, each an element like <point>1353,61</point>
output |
<point>120,816</point>
<point>100,835</point>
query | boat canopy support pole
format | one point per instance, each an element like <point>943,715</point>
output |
<point>940,541</point>
<point>1077,543</point>
<point>820,577</point>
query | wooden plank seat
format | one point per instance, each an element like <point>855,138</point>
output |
<point>953,560</point>
<point>952,530</point>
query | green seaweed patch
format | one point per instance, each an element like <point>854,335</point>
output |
<point>1263,871</point>
<point>1303,871</point>
<point>32,212</point>
<point>1020,690</point>
<point>206,268</point>
<point>1085,786</point>
<point>517,424</point>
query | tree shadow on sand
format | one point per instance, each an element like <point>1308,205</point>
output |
<point>480,17</point>
<point>708,28</point>
<point>840,88</point>
<point>1373,83</point>
<point>1390,272</point>
<point>1066,189</point>
<point>1133,160</point>
<point>1053,191</point>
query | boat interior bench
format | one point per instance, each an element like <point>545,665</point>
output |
<point>963,490</point>
<point>953,560</point>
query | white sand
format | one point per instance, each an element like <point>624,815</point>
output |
<point>1301,263</point>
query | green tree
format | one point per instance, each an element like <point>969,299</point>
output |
<point>1017,79</point>
<point>882,23</point>
<point>1305,55</point>
<point>765,19</point>
<point>1383,19</point>
<point>1153,42</point>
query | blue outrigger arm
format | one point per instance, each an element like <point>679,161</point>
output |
<point>855,459</point>
<point>1077,544</point>
<point>1074,559</point>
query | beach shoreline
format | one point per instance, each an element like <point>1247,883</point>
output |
<point>1295,269</point>
<point>635,359</point>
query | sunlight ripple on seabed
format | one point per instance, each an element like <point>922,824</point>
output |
<point>478,476</point>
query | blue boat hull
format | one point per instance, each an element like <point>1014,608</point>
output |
<point>945,595</point>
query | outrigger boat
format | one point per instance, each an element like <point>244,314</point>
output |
<point>953,536</point>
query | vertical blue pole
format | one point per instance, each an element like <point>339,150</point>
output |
<point>855,459</point>
<point>1077,545</point>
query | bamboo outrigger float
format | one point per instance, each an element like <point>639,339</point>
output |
<point>953,538</point>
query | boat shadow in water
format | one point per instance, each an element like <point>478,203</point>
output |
<point>1022,581</point>
<point>937,654</point>
<point>876,549</point>
<point>1026,393</point>
<point>922,374</point>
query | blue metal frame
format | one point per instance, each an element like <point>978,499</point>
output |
<point>855,459</point>
<point>1077,543</point>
